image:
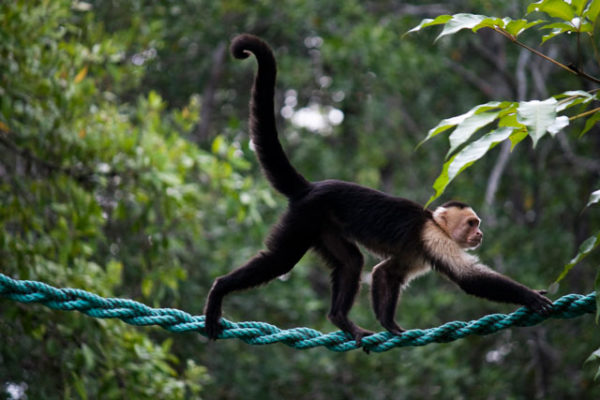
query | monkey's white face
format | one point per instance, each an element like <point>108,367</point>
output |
<point>462,224</point>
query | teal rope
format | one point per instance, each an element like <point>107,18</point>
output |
<point>259,333</point>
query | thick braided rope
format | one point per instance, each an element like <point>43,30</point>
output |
<point>259,333</point>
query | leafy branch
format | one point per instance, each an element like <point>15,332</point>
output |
<point>515,120</point>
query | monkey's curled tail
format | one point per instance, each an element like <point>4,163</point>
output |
<point>263,132</point>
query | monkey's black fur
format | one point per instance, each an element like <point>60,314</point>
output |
<point>331,217</point>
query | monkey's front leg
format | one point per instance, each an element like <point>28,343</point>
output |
<point>481,281</point>
<point>212,312</point>
<point>387,278</point>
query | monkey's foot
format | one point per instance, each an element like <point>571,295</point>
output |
<point>393,327</point>
<point>359,333</point>
<point>399,331</point>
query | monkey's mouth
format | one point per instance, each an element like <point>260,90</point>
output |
<point>474,243</point>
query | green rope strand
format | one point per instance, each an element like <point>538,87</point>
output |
<point>260,333</point>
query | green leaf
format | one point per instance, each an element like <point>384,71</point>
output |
<point>595,356</point>
<point>114,270</point>
<point>446,124</point>
<point>491,22</point>
<point>510,119</point>
<point>441,182</point>
<point>169,178</point>
<point>218,145</point>
<point>572,98</point>
<point>590,123</point>
<point>154,100</point>
<point>147,286</point>
<point>560,122</point>
<point>466,157</point>
<point>584,249</point>
<point>468,127</point>
<point>79,385</point>
<point>563,26</point>
<point>594,198</point>
<point>452,122</point>
<point>586,26</point>
<point>459,22</point>
<point>540,118</point>
<point>504,106</point>
<point>88,356</point>
<point>517,137</point>
<point>592,10</point>
<point>518,26</point>
<point>554,8</point>
<point>578,6</point>
<point>442,19</point>
<point>558,28</point>
<point>474,151</point>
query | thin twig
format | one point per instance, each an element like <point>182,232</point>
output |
<point>584,114</point>
<point>574,70</point>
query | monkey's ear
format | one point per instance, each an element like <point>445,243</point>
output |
<point>440,215</point>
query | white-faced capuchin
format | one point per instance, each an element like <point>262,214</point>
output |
<point>332,217</point>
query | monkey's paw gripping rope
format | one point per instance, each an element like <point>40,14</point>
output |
<point>259,333</point>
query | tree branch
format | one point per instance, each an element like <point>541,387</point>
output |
<point>569,68</point>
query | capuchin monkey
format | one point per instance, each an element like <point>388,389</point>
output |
<point>332,217</point>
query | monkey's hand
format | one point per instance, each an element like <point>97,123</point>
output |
<point>539,303</point>
<point>212,328</point>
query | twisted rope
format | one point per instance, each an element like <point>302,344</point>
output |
<point>260,333</point>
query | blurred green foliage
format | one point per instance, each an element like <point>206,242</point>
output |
<point>125,169</point>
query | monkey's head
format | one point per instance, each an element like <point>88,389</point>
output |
<point>460,222</point>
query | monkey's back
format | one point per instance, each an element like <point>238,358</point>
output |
<point>381,222</point>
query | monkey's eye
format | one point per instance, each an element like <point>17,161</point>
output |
<point>473,223</point>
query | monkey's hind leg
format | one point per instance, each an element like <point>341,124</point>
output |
<point>285,247</point>
<point>387,280</point>
<point>346,261</point>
